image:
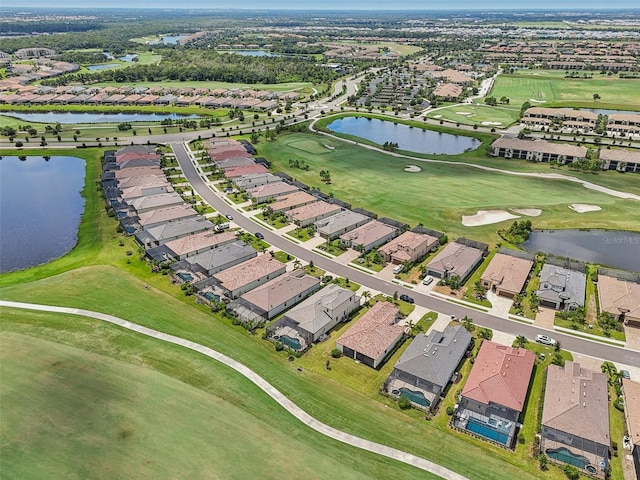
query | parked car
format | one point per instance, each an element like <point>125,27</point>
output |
<point>625,374</point>
<point>397,269</point>
<point>545,340</point>
<point>259,236</point>
<point>230,217</point>
<point>406,298</point>
<point>427,280</point>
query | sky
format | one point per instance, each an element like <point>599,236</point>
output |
<point>333,4</point>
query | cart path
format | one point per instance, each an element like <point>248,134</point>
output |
<point>266,387</point>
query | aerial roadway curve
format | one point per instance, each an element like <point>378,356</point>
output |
<point>266,387</point>
<point>569,342</point>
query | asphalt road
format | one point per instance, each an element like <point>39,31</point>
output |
<point>569,342</point>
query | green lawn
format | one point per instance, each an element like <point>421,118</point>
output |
<point>550,88</point>
<point>440,194</point>
<point>481,115</point>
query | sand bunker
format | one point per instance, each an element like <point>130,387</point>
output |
<point>537,101</point>
<point>437,116</point>
<point>464,113</point>
<point>412,168</point>
<point>329,147</point>
<point>491,123</point>
<point>529,212</point>
<point>584,207</point>
<point>487,217</point>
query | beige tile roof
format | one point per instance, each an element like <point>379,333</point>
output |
<point>620,155</point>
<point>233,172</point>
<point>272,189</point>
<point>368,233</point>
<point>625,117</point>
<point>455,258</point>
<point>142,180</point>
<point>448,90</point>
<point>540,146</point>
<point>500,375</point>
<point>632,409</point>
<point>562,112</point>
<point>139,190</point>
<point>167,214</point>
<point>576,402</point>
<point>192,243</point>
<point>138,171</point>
<point>374,332</point>
<point>618,296</point>
<point>410,240</point>
<point>280,290</point>
<point>312,210</point>
<point>292,200</point>
<point>249,271</point>
<point>510,273</point>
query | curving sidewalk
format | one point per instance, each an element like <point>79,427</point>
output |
<point>549,176</point>
<point>266,387</point>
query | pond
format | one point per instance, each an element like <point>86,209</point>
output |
<point>602,111</point>
<point>102,66</point>
<point>172,39</point>
<point>129,57</point>
<point>41,207</point>
<point>617,249</point>
<point>253,53</point>
<point>411,139</point>
<point>73,118</point>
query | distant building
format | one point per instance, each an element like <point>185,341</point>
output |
<point>537,150</point>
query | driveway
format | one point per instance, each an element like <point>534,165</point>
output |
<point>545,318</point>
<point>500,306</point>
<point>633,337</point>
<point>387,272</point>
<point>347,257</point>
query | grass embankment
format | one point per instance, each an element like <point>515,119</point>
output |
<point>481,115</point>
<point>549,88</point>
<point>440,194</point>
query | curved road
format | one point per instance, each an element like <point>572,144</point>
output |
<point>266,387</point>
<point>569,342</point>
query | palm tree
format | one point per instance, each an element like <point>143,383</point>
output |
<point>367,296</point>
<point>521,341</point>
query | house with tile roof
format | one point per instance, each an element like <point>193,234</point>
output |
<point>159,216</point>
<point>537,150</point>
<point>313,318</point>
<point>343,222</point>
<point>408,247</point>
<point>373,336</point>
<point>575,418</point>
<point>506,274</point>
<point>190,245</point>
<point>266,301</point>
<point>561,288</point>
<point>427,366</point>
<point>495,393</point>
<point>265,193</point>
<point>308,214</point>
<point>369,236</point>
<point>165,232</point>
<point>620,159</point>
<point>222,257</point>
<point>455,259</point>
<point>631,395</point>
<point>291,201</point>
<point>620,298</point>
<point>248,275</point>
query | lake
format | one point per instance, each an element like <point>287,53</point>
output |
<point>128,57</point>
<point>610,248</point>
<point>253,53</point>
<point>40,209</point>
<point>601,111</point>
<point>73,118</point>
<point>411,139</point>
<point>172,39</point>
<point>102,66</point>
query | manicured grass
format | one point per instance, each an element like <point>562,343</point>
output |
<point>283,257</point>
<point>477,114</point>
<point>346,283</point>
<point>399,48</point>
<point>108,418</point>
<point>254,241</point>
<point>474,278</point>
<point>187,110</point>
<point>301,233</point>
<point>596,330</point>
<point>440,194</point>
<point>334,247</point>
<point>276,222</point>
<point>314,271</point>
<point>550,87</point>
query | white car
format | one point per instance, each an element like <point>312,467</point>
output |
<point>545,340</point>
<point>427,280</point>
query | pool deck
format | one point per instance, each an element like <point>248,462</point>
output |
<point>593,458</point>
<point>502,426</point>
<point>398,384</point>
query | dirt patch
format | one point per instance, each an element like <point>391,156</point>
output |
<point>529,212</point>
<point>487,217</point>
<point>445,290</point>
<point>412,169</point>
<point>584,207</point>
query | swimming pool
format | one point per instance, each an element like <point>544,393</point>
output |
<point>291,342</point>
<point>211,296</point>
<point>567,456</point>
<point>487,431</point>
<point>185,277</point>
<point>415,397</point>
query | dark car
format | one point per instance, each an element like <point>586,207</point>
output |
<point>406,298</point>
<point>259,235</point>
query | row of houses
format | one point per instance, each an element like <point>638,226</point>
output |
<point>40,69</point>
<point>584,121</point>
<point>538,150</point>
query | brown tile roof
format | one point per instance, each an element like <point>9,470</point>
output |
<point>272,189</point>
<point>138,171</point>
<point>192,243</point>
<point>292,200</point>
<point>374,332</point>
<point>500,375</point>
<point>624,117</point>
<point>234,172</point>
<point>312,210</point>
<point>620,155</point>
<point>410,240</point>
<point>509,272</point>
<point>368,233</point>
<point>455,258</point>
<point>249,271</point>
<point>540,146</point>
<point>618,296</point>
<point>576,402</point>
<point>280,290</point>
<point>632,409</point>
<point>448,90</point>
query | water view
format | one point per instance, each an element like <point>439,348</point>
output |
<point>102,66</point>
<point>602,111</point>
<point>129,57</point>
<point>254,53</point>
<point>604,247</point>
<point>410,139</point>
<point>40,209</point>
<point>172,39</point>
<point>73,118</point>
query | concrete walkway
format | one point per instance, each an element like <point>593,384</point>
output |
<point>266,387</point>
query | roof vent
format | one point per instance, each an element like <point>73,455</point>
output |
<point>584,404</point>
